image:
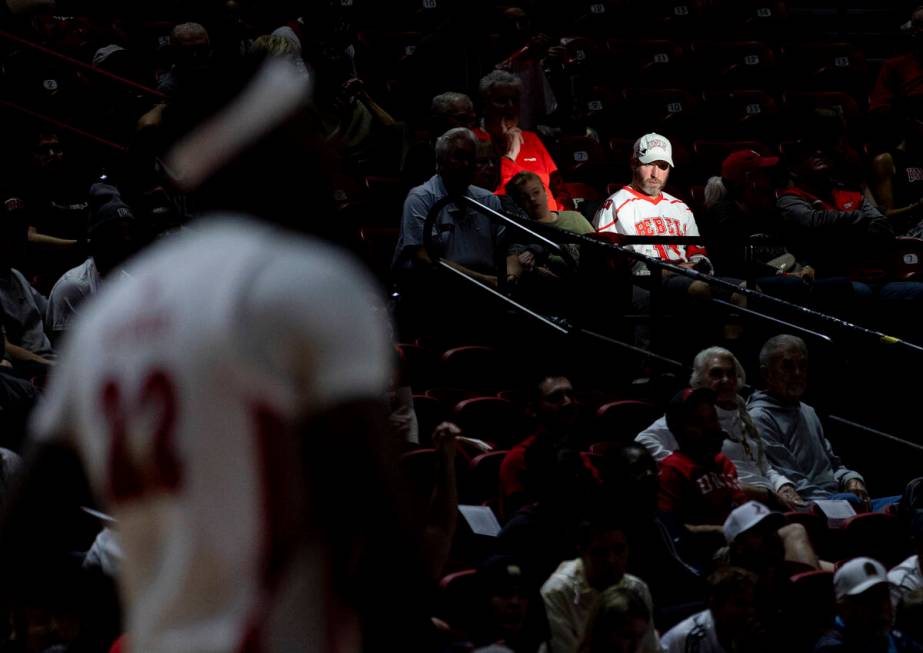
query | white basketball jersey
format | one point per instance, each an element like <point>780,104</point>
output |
<point>634,214</point>
<point>181,388</point>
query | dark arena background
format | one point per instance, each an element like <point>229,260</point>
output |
<point>789,138</point>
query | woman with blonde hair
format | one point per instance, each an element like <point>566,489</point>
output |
<point>619,624</point>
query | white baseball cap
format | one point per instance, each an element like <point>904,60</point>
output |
<point>653,147</point>
<point>857,576</point>
<point>745,517</point>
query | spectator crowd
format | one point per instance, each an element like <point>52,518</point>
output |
<point>660,192</point>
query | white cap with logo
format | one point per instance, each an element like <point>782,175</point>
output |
<point>857,576</point>
<point>653,147</point>
<point>748,515</point>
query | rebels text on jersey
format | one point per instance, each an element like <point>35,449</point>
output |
<point>632,213</point>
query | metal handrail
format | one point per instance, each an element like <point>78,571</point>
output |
<point>62,125</point>
<point>660,265</point>
<point>76,63</point>
<point>564,327</point>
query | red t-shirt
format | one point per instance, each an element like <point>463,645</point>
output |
<point>699,494</point>
<point>514,473</point>
<point>532,157</point>
<point>900,78</point>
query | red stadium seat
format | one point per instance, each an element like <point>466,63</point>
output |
<point>451,396</point>
<point>577,193</point>
<point>876,535</point>
<point>430,412</point>
<point>829,66</point>
<point>647,62</point>
<point>419,366</point>
<point>674,111</point>
<point>742,113</point>
<point>457,593</point>
<point>474,367</point>
<point>376,247</point>
<point>490,419</point>
<point>574,151</point>
<point>483,478</point>
<point>621,421</point>
<point>811,605</point>
<point>908,263</point>
<point>710,154</point>
<point>802,103</point>
<point>735,64</point>
<point>418,469</point>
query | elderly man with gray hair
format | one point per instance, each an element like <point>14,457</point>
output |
<point>465,238</point>
<point>793,432</point>
<point>718,369</point>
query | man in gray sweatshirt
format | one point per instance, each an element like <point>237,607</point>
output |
<point>793,434</point>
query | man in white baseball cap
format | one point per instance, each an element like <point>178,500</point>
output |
<point>760,540</point>
<point>864,612</point>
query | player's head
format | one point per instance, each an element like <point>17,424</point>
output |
<point>456,154</point>
<point>651,162</point>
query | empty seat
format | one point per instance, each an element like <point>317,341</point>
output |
<point>576,193</point>
<point>483,478</point>
<point>458,591</point>
<point>430,412</point>
<point>451,396</point>
<point>671,111</point>
<point>418,365</point>
<point>836,66</point>
<point>735,64</point>
<point>646,61</point>
<point>474,367</point>
<point>576,150</point>
<point>418,470</point>
<point>710,154</point>
<point>621,421</point>
<point>491,419</point>
<point>744,114</point>
<point>908,260</point>
<point>876,535</point>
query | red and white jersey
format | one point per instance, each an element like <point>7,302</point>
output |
<point>635,214</point>
<point>181,388</point>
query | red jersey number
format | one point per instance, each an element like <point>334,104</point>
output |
<point>155,407</point>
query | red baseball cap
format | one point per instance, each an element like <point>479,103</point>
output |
<point>739,163</point>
